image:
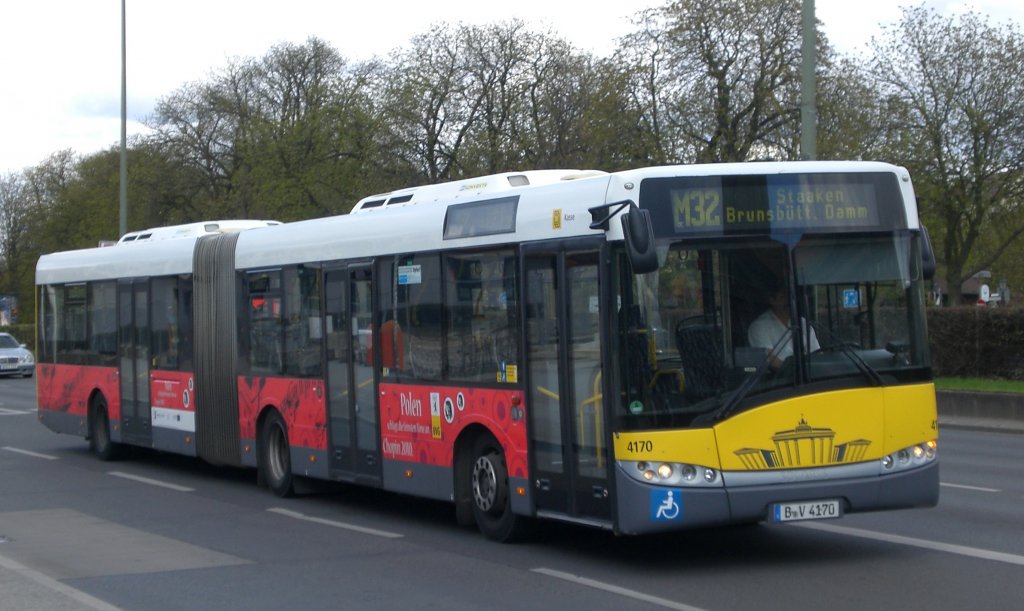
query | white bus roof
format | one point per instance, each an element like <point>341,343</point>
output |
<point>551,204</point>
<point>470,188</point>
<point>192,230</point>
<point>417,224</point>
<point>152,252</point>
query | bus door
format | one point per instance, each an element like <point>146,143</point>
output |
<point>565,402</point>
<point>133,342</point>
<point>352,405</point>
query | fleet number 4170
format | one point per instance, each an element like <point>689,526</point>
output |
<point>642,445</point>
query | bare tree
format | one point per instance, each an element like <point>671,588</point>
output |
<point>425,93</point>
<point>718,80</point>
<point>957,93</point>
<point>643,62</point>
<point>851,112</point>
<point>284,135</point>
<point>14,211</point>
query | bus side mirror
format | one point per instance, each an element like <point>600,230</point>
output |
<point>927,255</point>
<point>639,234</point>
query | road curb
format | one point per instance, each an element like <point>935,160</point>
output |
<point>988,411</point>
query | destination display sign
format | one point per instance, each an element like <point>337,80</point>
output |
<point>758,204</point>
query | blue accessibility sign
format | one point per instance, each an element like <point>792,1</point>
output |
<point>666,504</point>
<point>851,298</point>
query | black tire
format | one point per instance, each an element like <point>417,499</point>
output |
<point>99,432</point>
<point>275,462</point>
<point>492,503</point>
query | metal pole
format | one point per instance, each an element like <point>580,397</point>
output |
<point>123,226</point>
<point>808,113</point>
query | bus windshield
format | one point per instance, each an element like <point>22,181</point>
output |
<point>724,326</point>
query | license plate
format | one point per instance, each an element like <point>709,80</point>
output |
<point>807,510</point>
<point>6,367</point>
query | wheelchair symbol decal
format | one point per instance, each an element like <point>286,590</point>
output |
<point>666,505</point>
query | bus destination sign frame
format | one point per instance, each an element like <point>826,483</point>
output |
<point>718,205</point>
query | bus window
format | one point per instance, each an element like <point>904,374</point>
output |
<point>480,305</point>
<point>413,300</point>
<point>864,304</point>
<point>165,331</point>
<point>302,333</point>
<point>264,317</point>
<point>684,330</point>
<point>72,334</point>
<point>48,312</point>
<point>103,322</point>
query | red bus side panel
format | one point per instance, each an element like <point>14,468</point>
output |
<point>67,388</point>
<point>300,402</point>
<point>420,423</point>
<point>172,397</point>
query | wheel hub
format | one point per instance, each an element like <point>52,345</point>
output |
<point>485,483</point>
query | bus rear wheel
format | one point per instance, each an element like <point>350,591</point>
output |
<point>275,463</point>
<point>492,503</point>
<point>100,443</point>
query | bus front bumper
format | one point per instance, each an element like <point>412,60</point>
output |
<point>645,508</point>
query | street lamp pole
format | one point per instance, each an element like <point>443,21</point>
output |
<point>808,114</point>
<point>123,226</point>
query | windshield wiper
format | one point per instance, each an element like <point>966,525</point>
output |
<point>748,384</point>
<point>846,349</point>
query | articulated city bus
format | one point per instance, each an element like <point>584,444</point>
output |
<point>642,351</point>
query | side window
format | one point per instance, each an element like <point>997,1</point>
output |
<point>166,331</point>
<point>264,315</point>
<point>103,322</point>
<point>185,322</point>
<point>48,313</point>
<point>480,306</point>
<point>302,332</point>
<point>410,337</point>
<point>73,341</point>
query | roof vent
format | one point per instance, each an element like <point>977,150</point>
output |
<point>401,199</point>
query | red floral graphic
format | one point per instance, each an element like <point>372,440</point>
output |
<point>300,402</point>
<point>420,423</point>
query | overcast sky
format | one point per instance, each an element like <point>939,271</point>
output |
<point>60,60</point>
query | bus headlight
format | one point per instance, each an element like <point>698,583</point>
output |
<point>910,457</point>
<point>671,474</point>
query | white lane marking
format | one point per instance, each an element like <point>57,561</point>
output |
<point>607,587</point>
<point>965,487</point>
<point>5,411</point>
<point>31,453</point>
<point>78,596</point>
<point>962,550</point>
<point>326,522</point>
<point>151,482</point>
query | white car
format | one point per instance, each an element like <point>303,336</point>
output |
<point>15,358</point>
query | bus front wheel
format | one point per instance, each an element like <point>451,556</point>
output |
<point>275,456</point>
<point>492,506</point>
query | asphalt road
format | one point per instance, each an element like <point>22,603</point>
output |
<point>163,532</point>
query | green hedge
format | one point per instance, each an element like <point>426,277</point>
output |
<point>976,342</point>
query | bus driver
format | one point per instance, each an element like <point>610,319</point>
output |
<point>769,328</point>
